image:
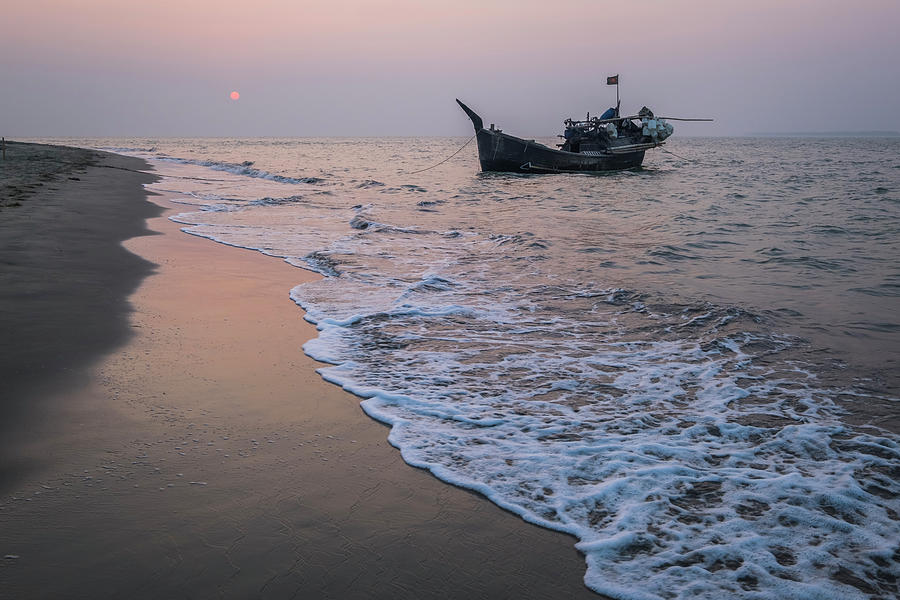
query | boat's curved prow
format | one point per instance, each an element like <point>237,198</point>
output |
<point>476,120</point>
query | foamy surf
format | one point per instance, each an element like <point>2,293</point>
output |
<point>245,169</point>
<point>686,469</point>
<point>688,444</point>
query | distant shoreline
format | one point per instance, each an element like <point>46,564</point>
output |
<point>828,134</point>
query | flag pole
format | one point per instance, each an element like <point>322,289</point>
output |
<point>614,80</point>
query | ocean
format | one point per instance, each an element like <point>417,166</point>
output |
<point>692,368</point>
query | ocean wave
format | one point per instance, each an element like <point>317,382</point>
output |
<point>360,221</point>
<point>127,149</point>
<point>245,169</point>
<point>836,265</point>
<point>268,201</point>
<point>405,188</point>
<point>670,444</point>
<point>323,263</point>
<point>687,444</point>
<point>369,183</point>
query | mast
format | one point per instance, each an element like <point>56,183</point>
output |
<point>614,80</point>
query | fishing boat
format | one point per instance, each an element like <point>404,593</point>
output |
<point>609,142</point>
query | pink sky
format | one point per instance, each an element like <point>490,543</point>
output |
<point>345,67</point>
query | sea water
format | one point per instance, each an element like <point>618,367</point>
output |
<point>691,367</point>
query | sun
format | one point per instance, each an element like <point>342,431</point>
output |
<point>235,95</point>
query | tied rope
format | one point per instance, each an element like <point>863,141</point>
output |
<point>446,159</point>
<point>157,174</point>
<point>681,157</point>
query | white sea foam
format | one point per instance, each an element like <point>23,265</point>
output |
<point>639,450</point>
<point>129,149</point>
<point>683,443</point>
<point>245,169</point>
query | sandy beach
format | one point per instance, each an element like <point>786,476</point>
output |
<point>166,437</point>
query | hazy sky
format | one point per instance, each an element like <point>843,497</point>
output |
<point>379,67</point>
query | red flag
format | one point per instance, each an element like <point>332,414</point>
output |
<point>614,80</point>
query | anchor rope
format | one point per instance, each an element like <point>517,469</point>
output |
<point>445,160</point>
<point>158,174</point>
<point>681,157</point>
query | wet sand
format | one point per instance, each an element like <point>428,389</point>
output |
<point>196,453</point>
<point>64,276</point>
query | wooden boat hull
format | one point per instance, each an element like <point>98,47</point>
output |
<point>498,151</point>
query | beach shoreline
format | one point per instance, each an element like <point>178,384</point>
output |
<point>65,277</point>
<point>196,453</point>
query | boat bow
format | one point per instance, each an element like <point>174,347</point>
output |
<point>476,120</point>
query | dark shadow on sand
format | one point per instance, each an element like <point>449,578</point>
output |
<point>65,277</point>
